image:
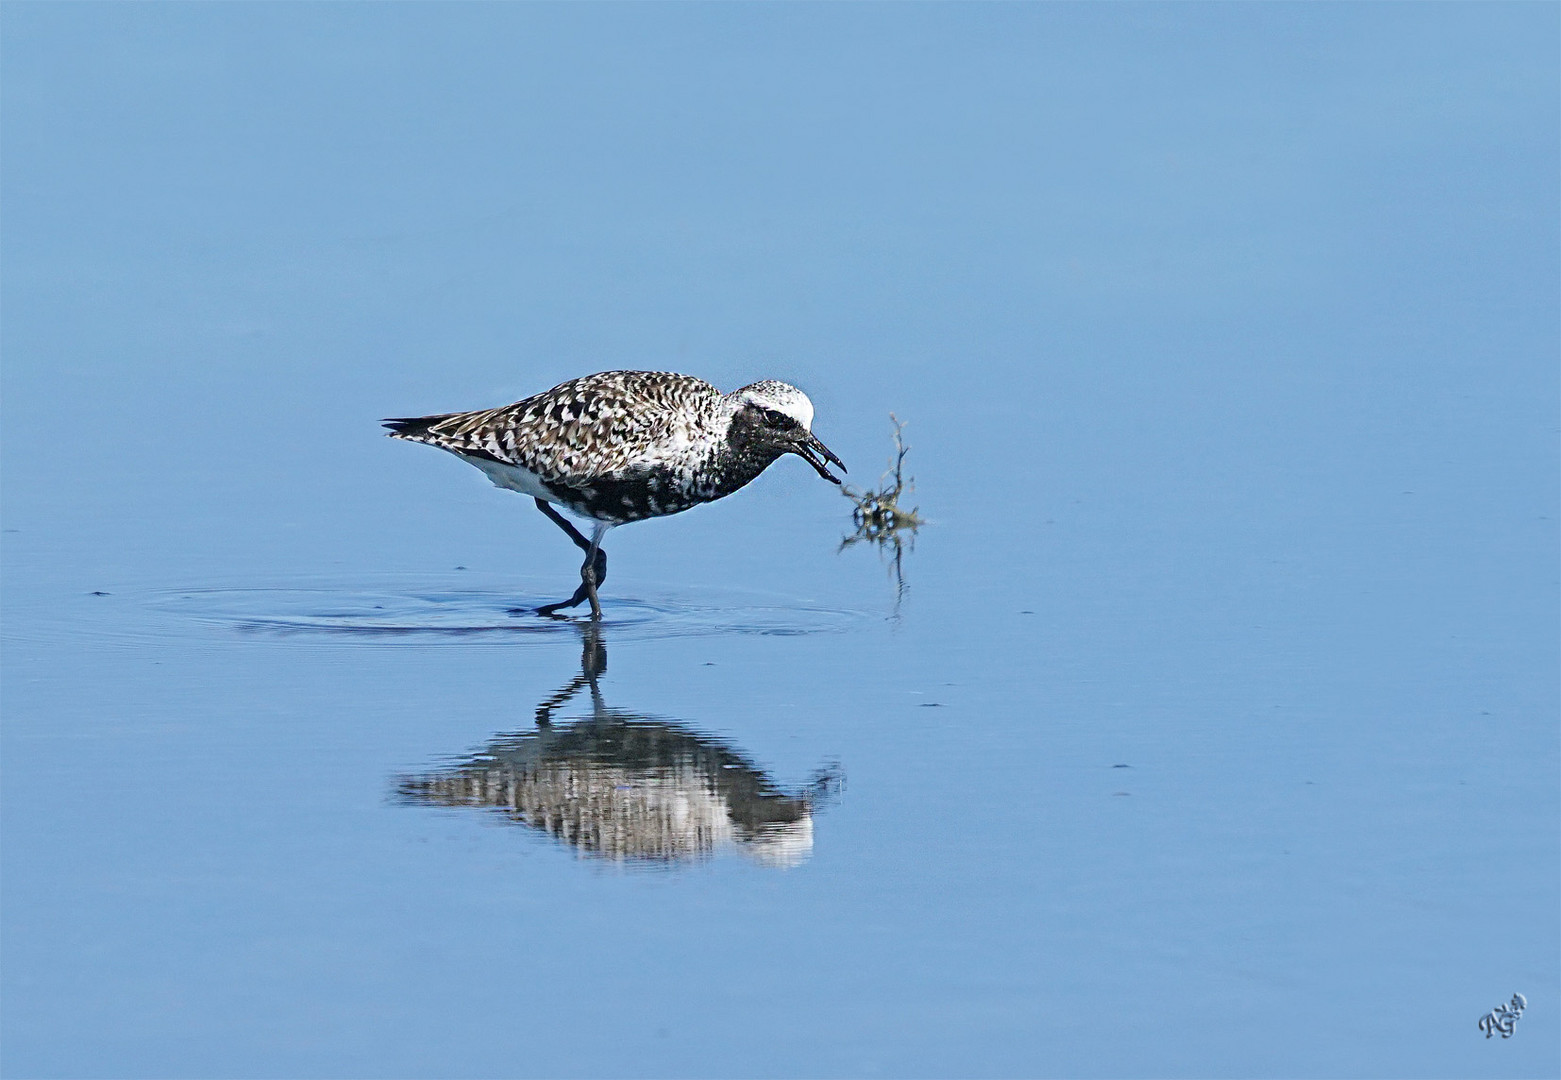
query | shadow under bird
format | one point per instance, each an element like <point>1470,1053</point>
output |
<point>622,446</point>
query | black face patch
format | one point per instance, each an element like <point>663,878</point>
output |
<point>774,418</point>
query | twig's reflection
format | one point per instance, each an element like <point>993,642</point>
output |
<point>627,787</point>
<point>892,548</point>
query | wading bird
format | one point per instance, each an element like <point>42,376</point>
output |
<point>623,446</point>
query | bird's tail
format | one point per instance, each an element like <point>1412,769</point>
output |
<point>413,427</point>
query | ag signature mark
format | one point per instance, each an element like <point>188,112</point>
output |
<point>1504,1018</point>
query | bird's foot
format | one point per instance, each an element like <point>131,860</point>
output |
<point>547,611</point>
<point>551,611</point>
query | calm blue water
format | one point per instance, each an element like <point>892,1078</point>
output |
<point>1214,732</point>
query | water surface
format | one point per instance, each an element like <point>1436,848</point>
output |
<point>1207,729</point>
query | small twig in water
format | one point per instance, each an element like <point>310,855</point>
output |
<point>880,520</point>
<point>878,514</point>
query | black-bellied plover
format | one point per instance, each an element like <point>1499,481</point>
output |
<point>623,446</point>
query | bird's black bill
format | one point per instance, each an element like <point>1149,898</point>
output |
<point>815,453</point>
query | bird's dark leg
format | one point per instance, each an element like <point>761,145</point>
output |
<point>588,579</point>
<point>592,574</point>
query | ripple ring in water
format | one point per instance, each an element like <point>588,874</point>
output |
<point>429,612</point>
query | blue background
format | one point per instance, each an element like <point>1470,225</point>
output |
<point>1227,341</point>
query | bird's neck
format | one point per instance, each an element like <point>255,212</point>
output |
<point>742,455</point>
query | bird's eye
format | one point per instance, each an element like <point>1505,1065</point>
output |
<point>777,419</point>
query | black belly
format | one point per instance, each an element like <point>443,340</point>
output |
<point>654,494</point>
<point>660,490</point>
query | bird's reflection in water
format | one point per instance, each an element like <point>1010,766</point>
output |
<point>630,788</point>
